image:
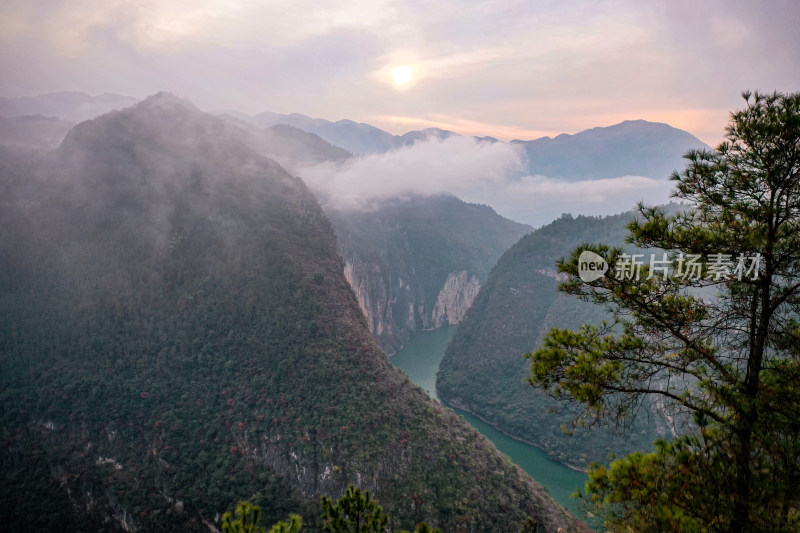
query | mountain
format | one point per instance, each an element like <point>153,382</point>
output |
<point>32,133</point>
<point>291,147</point>
<point>417,263</point>
<point>407,139</point>
<point>300,147</point>
<point>355,137</point>
<point>483,369</point>
<point>630,148</point>
<point>70,106</point>
<point>176,334</point>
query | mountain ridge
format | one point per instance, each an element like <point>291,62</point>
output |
<point>659,153</point>
<point>176,334</point>
<point>631,147</point>
<point>73,106</point>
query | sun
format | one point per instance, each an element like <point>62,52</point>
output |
<point>402,75</point>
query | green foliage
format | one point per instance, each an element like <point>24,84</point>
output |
<point>530,526</point>
<point>355,512</point>
<point>518,304</point>
<point>719,348</point>
<point>294,525</point>
<point>248,516</point>
<point>425,528</point>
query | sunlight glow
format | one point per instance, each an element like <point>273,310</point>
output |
<point>402,75</point>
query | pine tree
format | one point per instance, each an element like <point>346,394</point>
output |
<point>710,328</point>
<point>248,517</point>
<point>355,512</point>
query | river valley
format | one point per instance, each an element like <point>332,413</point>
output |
<point>420,360</point>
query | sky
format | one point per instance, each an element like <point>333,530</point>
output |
<point>510,69</point>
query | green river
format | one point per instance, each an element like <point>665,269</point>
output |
<point>420,360</point>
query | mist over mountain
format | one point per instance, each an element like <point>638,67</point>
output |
<point>32,133</point>
<point>476,171</point>
<point>176,334</point>
<point>594,172</point>
<point>289,146</point>
<point>68,105</point>
<point>630,148</point>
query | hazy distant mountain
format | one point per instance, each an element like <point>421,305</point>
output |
<point>634,147</point>
<point>71,106</point>
<point>32,132</point>
<point>291,147</point>
<point>301,147</point>
<point>355,137</point>
<point>428,133</point>
<point>177,334</point>
<point>417,263</point>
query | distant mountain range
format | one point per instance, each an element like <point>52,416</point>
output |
<point>67,105</point>
<point>631,148</point>
<point>33,132</point>
<point>636,147</point>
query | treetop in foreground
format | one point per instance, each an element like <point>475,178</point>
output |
<point>719,349</point>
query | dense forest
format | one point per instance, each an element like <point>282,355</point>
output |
<point>483,370</point>
<point>176,335</point>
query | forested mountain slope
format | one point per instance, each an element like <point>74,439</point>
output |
<point>483,370</point>
<point>176,334</point>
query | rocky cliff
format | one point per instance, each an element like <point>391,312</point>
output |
<point>417,263</point>
<point>459,290</point>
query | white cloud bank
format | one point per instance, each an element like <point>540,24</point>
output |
<point>478,172</point>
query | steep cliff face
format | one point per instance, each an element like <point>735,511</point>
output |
<point>454,299</point>
<point>374,296</point>
<point>417,263</point>
<point>176,334</point>
<point>378,299</point>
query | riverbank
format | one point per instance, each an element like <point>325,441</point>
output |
<point>518,439</point>
<point>420,360</point>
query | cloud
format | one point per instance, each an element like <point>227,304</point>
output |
<point>433,166</point>
<point>537,200</point>
<point>477,172</point>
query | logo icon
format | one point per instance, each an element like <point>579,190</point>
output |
<point>591,266</point>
